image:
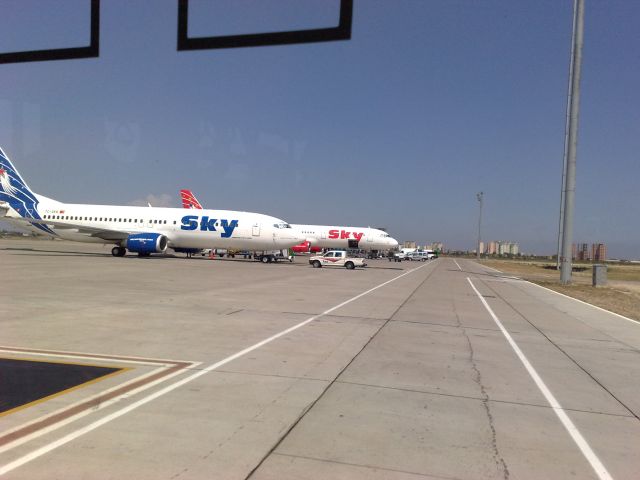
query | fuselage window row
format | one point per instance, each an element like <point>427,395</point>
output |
<point>105,219</point>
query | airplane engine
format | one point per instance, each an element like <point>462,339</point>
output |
<point>147,243</point>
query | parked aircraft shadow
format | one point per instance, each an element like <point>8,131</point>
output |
<point>58,253</point>
<point>302,263</point>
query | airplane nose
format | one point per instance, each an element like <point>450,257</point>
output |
<point>298,235</point>
<point>288,237</point>
<point>393,243</point>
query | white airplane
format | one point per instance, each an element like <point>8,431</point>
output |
<point>324,236</point>
<point>140,230</point>
<point>363,238</point>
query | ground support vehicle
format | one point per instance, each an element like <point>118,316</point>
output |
<point>395,256</point>
<point>222,252</point>
<point>336,258</point>
<point>269,257</point>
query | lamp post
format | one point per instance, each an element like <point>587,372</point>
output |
<point>572,142</point>
<point>479,196</point>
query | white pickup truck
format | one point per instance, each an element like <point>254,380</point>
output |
<point>336,258</point>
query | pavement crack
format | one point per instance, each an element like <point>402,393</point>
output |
<point>479,398</point>
<point>336,378</point>
<point>436,324</point>
<point>566,353</point>
<point>497,458</point>
<point>363,466</point>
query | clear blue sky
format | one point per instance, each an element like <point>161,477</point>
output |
<point>427,104</point>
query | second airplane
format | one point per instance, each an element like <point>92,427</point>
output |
<point>325,236</point>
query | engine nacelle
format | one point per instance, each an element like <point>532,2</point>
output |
<point>147,243</point>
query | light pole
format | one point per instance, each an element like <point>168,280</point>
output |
<point>572,143</point>
<point>566,140</point>
<point>479,196</point>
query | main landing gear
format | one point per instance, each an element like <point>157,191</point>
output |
<point>118,251</point>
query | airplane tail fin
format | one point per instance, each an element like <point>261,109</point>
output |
<point>15,193</point>
<point>189,200</point>
<point>13,189</point>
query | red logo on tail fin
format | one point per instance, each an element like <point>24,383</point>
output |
<point>189,200</point>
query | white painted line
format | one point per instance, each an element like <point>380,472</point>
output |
<point>9,446</point>
<point>11,466</point>
<point>503,280</point>
<point>490,268</point>
<point>19,354</point>
<point>507,277</point>
<point>586,303</point>
<point>92,356</point>
<point>457,264</point>
<point>95,408</point>
<point>578,300</point>
<point>577,437</point>
<point>78,433</point>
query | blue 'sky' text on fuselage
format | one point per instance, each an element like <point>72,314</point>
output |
<point>190,222</point>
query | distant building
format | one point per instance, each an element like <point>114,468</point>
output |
<point>599,252</point>
<point>436,246</point>
<point>481,247</point>
<point>496,247</point>
<point>584,252</point>
<point>439,246</point>
<point>409,244</point>
<point>581,251</point>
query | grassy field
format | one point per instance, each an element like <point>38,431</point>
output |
<point>620,295</point>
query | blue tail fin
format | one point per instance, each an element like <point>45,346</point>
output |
<point>12,187</point>
<point>15,192</point>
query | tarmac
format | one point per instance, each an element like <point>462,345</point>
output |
<point>233,369</point>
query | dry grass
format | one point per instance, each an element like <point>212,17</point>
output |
<point>621,295</point>
<point>630,273</point>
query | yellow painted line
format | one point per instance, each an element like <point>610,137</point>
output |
<point>86,356</point>
<point>60,362</point>
<point>67,390</point>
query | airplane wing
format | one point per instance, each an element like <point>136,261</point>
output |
<point>103,233</point>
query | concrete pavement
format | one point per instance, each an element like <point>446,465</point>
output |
<point>413,379</point>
